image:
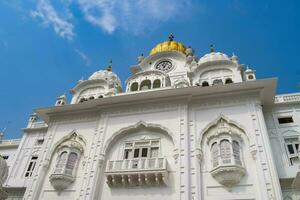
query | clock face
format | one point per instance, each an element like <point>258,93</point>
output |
<point>164,66</point>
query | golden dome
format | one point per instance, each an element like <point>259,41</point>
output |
<point>170,45</point>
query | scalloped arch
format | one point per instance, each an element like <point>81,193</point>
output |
<point>137,127</point>
<point>70,136</point>
<point>216,122</point>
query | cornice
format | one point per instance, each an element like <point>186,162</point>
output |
<point>265,88</point>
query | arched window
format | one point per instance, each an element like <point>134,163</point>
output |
<point>156,83</point>
<point>236,152</point>
<point>68,154</point>
<point>205,83</point>
<point>228,80</point>
<point>225,151</point>
<point>100,97</point>
<point>214,154</point>
<point>72,159</point>
<point>134,86</point>
<point>250,77</point>
<point>145,85</point>
<point>61,163</point>
<point>91,98</point>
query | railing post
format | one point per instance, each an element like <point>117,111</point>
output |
<point>156,163</point>
<point>129,164</point>
<point>113,165</point>
<point>140,163</point>
<point>146,163</point>
<point>123,164</point>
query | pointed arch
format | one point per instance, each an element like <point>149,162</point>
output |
<point>73,139</point>
<point>141,125</point>
<point>222,123</point>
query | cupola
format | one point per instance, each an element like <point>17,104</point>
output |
<point>169,45</point>
<point>213,57</point>
<point>61,100</point>
<point>100,84</point>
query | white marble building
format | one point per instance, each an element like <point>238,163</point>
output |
<point>184,128</point>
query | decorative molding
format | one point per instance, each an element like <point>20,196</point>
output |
<point>199,154</point>
<point>141,125</point>
<point>144,108</point>
<point>222,125</point>
<point>61,181</point>
<point>75,117</point>
<point>181,83</point>
<point>228,175</point>
<point>253,151</point>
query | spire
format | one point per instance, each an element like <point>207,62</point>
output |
<point>171,37</point>
<point>109,67</point>
<point>212,48</point>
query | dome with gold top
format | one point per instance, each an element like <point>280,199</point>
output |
<point>169,45</point>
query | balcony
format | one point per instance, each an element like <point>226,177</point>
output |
<point>137,172</point>
<point>287,98</point>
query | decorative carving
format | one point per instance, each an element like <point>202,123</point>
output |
<point>181,83</point>
<point>253,151</point>
<point>175,155</point>
<point>61,181</point>
<point>125,173</point>
<point>228,175</point>
<point>141,125</point>
<point>70,144</point>
<point>199,154</point>
<point>224,137</point>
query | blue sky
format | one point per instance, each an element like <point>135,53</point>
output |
<point>47,46</point>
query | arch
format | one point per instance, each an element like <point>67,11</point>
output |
<point>134,87</point>
<point>250,77</point>
<point>231,126</point>
<point>228,80</point>
<point>145,85</point>
<point>156,83</point>
<point>73,139</point>
<point>141,125</point>
<point>205,84</point>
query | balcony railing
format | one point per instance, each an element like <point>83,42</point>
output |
<point>13,142</point>
<point>136,172</point>
<point>287,98</point>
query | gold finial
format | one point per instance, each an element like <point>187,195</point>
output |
<point>171,37</point>
<point>109,67</point>
<point>212,48</point>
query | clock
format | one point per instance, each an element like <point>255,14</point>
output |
<point>164,66</point>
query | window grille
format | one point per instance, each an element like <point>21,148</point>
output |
<point>141,149</point>
<point>292,147</point>
<point>31,166</point>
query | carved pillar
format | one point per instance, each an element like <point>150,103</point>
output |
<point>275,185</point>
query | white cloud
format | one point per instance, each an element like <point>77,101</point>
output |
<point>83,56</point>
<point>132,16</point>
<point>47,13</point>
<point>99,13</point>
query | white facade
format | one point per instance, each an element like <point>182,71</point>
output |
<point>185,128</point>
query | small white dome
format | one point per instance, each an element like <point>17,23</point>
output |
<point>105,75</point>
<point>213,57</point>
